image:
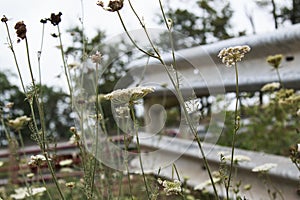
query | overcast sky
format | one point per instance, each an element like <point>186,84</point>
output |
<point>31,11</point>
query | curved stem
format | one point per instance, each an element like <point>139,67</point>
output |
<point>131,39</point>
<point>64,64</point>
<point>138,147</point>
<point>44,183</point>
<point>236,128</point>
<point>15,57</point>
<point>97,132</point>
<point>279,78</point>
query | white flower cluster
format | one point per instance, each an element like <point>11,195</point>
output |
<point>128,94</point>
<point>23,193</point>
<point>270,87</point>
<point>237,158</point>
<point>36,160</point>
<point>171,187</point>
<point>264,168</point>
<point>97,57</point>
<point>19,122</point>
<point>230,56</point>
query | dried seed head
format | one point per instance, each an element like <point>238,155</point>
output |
<point>21,30</point>
<point>43,21</point>
<point>55,19</point>
<point>112,6</point>
<point>4,19</point>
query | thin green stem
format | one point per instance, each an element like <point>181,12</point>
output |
<point>279,78</point>
<point>39,57</point>
<point>126,159</point>
<point>132,40</point>
<point>24,155</point>
<point>236,128</point>
<point>274,187</point>
<point>15,57</point>
<point>138,146</point>
<point>41,114</point>
<point>97,131</point>
<point>171,41</point>
<point>44,183</point>
<point>65,64</point>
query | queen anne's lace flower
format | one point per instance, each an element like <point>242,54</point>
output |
<point>275,60</point>
<point>19,122</point>
<point>237,158</point>
<point>264,168</point>
<point>66,162</point>
<point>170,187</point>
<point>230,56</point>
<point>37,160</point>
<point>128,94</point>
<point>22,193</point>
<point>270,87</point>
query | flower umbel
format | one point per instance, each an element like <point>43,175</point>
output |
<point>237,158</point>
<point>270,87</point>
<point>264,168</point>
<point>36,160</point>
<point>171,187</point>
<point>19,122</point>
<point>275,60</point>
<point>22,193</point>
<point>230,56</point>
<point>96,58</point>
<point>129,94</point>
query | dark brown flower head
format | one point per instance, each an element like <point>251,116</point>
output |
<point>21,30</point>
<point>4,19</point>
<point>55,18</point>
<point>54,35</point>
<point>113,5</point>
<point>43,21</point>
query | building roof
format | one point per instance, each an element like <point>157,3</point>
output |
<point>202,71</point>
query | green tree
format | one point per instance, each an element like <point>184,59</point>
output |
<point>290,11</point>
<point>56,108</point>
<point>202,25</point>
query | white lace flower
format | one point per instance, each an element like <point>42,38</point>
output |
<point>66,162</point>
<point>270,87</point>
<point>128,94</point>
<point>230,56</point>
<point>37,160</point>
<point>23,193</point>
<point>264,168</point>
<point>237,158</point>
<point>171,187</point>
<point>19,122</point>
